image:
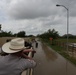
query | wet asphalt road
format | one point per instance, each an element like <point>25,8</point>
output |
<point>51,63</point>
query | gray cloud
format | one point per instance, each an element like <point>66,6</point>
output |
<point>25,9</point>
<point>37,16</point>
<point>70,4</point>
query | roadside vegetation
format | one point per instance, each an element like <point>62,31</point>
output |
<point>10,34</point>
<point>58,43</point>
<point>7,36</point>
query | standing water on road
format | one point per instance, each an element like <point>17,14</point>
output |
<point>50,62</point>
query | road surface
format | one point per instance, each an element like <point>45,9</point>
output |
<point>50,62</point>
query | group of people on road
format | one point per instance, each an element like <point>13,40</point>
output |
<point>16,60</point>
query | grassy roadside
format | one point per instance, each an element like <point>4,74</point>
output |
<point>61,51</point>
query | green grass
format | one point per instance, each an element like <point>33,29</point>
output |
<point>62,52</point>
<point>69,40</point>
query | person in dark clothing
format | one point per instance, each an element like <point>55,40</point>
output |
<point>8,40</point>
<point>36,44</point>
<point>29,46</point>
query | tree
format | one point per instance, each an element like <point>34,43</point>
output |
<point>69,35</point>
<point>50,33</point>
<point>21,34</point>
<point>5,34</point>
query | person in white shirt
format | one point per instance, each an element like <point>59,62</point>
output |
<point>16,61</point>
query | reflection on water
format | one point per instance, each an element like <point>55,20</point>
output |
<point>50,55</point>
<point>51,63</point>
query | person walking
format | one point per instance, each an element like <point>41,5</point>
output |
<point>36,44</point>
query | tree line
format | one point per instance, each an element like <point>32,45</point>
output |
<point>54,34</point>
<point>10,34</point>
<point>50,33</point>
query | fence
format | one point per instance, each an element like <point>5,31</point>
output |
<point>71,47</point>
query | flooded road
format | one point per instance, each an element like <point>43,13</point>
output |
<point>51,63</point>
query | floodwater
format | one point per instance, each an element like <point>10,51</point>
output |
<point>50,62</point>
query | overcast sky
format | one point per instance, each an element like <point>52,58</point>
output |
<point>37,16</point>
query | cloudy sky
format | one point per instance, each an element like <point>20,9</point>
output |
<point>37,16</point>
